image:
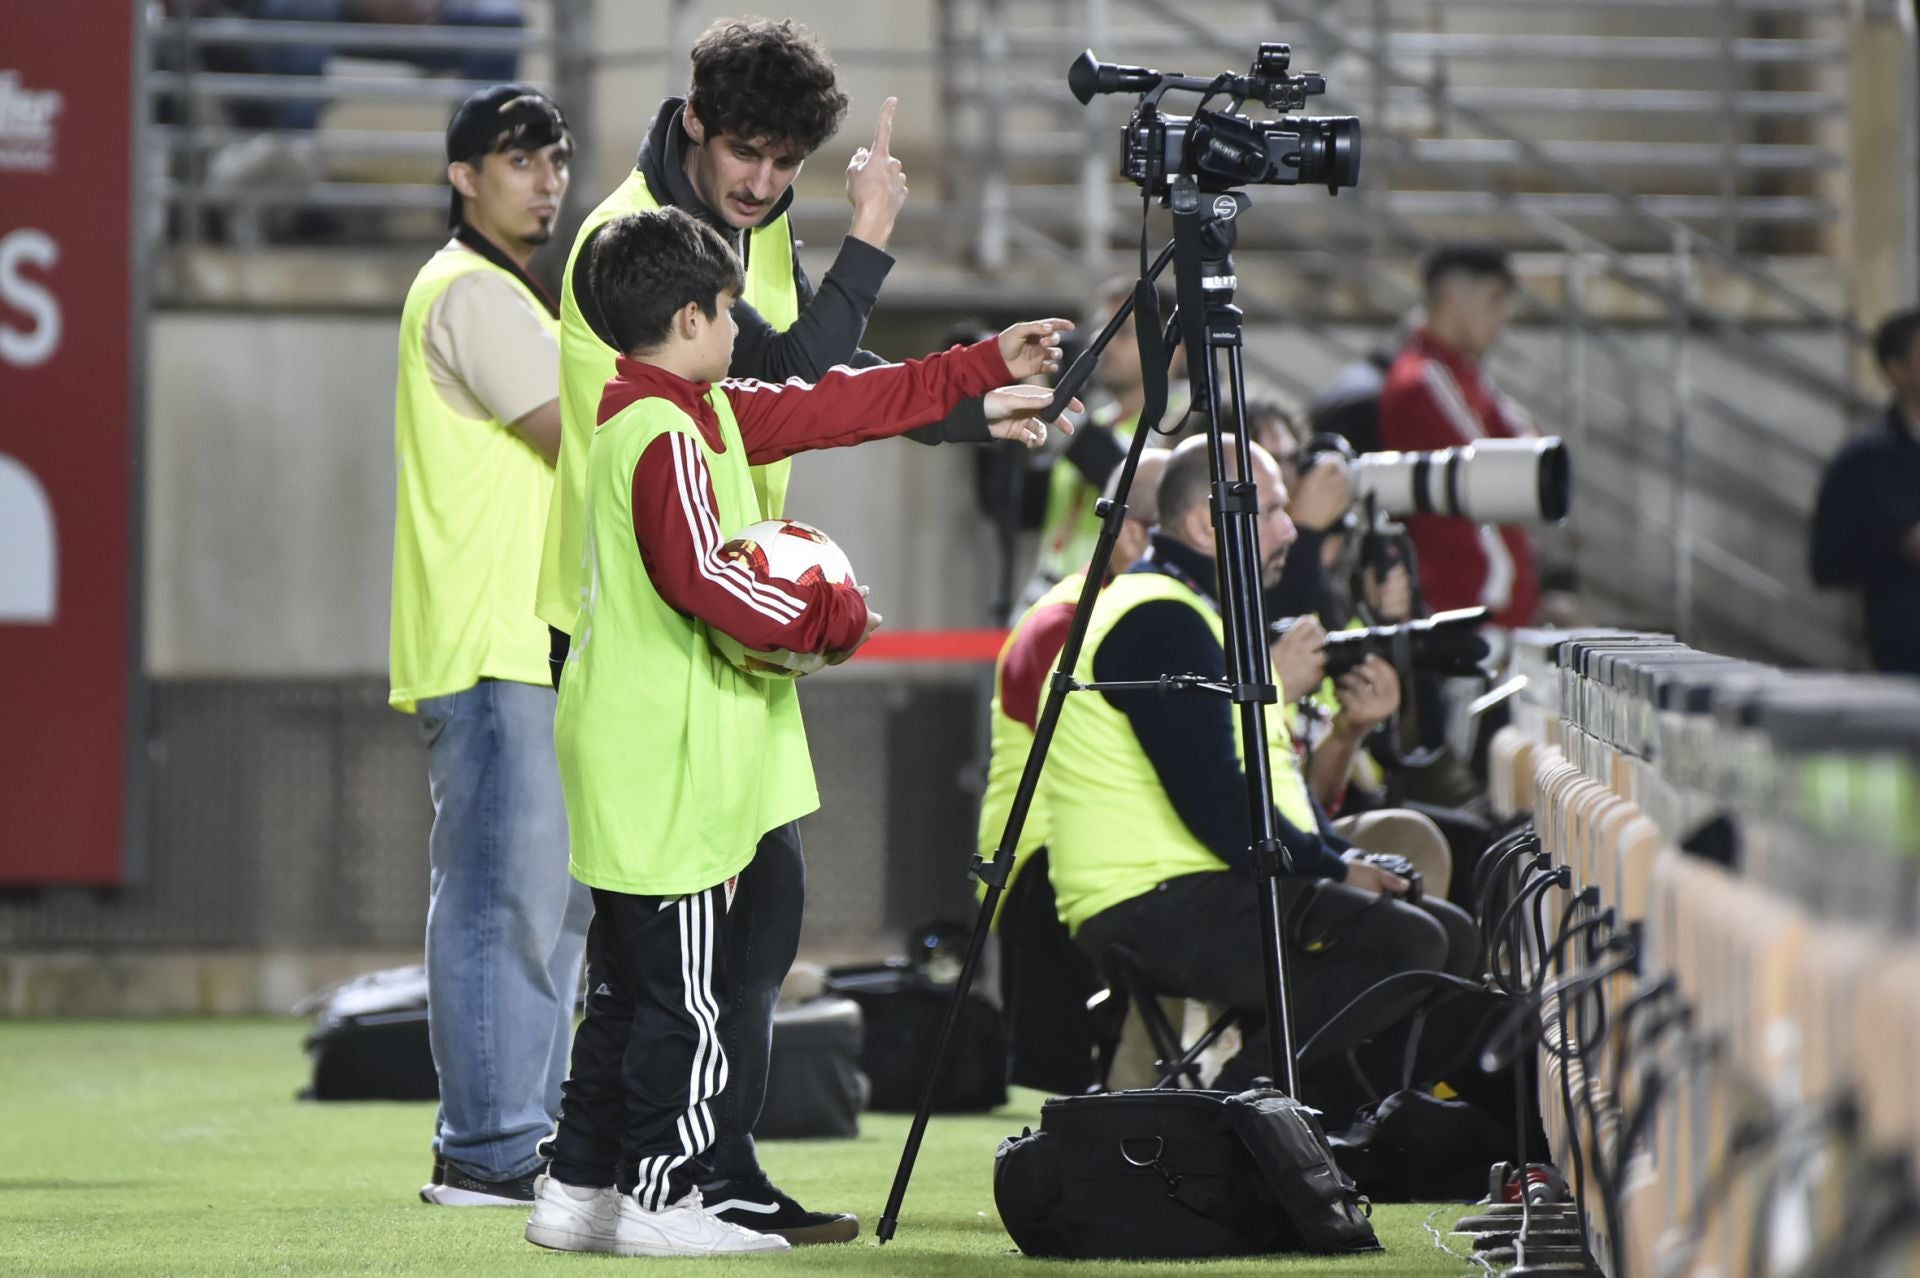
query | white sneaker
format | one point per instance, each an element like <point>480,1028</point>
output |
<point>684,1229</point>
<point>573,1217</point>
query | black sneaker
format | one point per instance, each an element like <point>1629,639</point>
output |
<point>760,1206</point>
<point>452,1187</point>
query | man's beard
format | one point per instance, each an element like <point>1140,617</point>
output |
<point>539,235</point>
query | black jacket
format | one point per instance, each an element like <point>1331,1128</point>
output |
<point>832,320</point>
<point>1869,502</point>
<point>1189,736</point>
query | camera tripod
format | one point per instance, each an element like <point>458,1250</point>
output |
<point>1209,325</point>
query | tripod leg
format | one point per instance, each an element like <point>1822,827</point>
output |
<point>994,872</point>
<point>1203,274</point>
<point>1246,634</point>
<point>890,1218</point>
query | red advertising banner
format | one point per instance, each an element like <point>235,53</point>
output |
<point>66,443</point>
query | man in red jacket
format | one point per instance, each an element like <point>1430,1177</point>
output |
<point>1435,397</point>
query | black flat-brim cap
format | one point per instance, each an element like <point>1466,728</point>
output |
<point>498,117</point>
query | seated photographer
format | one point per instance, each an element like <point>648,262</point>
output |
<point>1044,981</point>
<point>1433,791</point>
<point>1148,835</point>
<point>1331,720</point>
<point>1319,484</point>
<point>1320,492</point>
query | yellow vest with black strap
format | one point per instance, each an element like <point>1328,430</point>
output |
<point>1011,741</point>
<point>586,364</point>
<point>674,762</point>
<point>1113,834</point>
<point>471,503</point>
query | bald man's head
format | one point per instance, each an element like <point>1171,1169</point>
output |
<point>1186,516</point>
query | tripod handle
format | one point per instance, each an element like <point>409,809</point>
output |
<point>1071,383</point>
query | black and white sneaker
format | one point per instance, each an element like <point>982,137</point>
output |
<point>451,1187</point>
<point>760,1206</point>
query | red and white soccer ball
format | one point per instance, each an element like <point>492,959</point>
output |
<point>786,550</point>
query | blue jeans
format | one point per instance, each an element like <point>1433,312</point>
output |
<point>506,925</point>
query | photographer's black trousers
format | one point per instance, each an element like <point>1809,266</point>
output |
<point>669,1068</point>
<point>1198,936</point>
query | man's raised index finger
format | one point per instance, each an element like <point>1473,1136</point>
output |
<point>883,131</point>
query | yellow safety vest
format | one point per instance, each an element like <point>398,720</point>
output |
<point>1011,740</point>
<point>471,507</point>
<point>674,762</point>
<point>586,364</point>
<point>1113,832</point>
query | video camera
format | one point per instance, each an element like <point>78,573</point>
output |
<point>1223,150</point>
<point>1447,643</point>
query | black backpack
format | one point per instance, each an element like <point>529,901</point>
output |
<point>369,1039</point>
<point>903,1011</point>
<point>814,1085</point>
<point>1164,1174</point>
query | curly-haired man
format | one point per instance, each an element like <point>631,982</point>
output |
<point>762,99</point>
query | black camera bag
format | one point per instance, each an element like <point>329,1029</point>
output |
<point>1165,1174</point>
<point>369,1039</point>
<point>903,1012</point>
<point>1414,1147</point>
<point>815,1088</point>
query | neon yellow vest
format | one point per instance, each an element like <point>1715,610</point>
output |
<point>674,762</point>
<point>1113,833</point>
<point>1011,741</point>
<point>1070,527</point>
<point>471,505</point>
<point>586,364</point>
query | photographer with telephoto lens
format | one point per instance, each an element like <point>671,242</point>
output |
<point>1436,396</point>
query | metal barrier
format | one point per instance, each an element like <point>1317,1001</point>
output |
<point>1727,1057</point>
<point>241,138</point>
<point>292,816</point>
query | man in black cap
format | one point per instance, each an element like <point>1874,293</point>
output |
<point>476,433</point>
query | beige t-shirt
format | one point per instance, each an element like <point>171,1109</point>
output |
<point>488,350</point>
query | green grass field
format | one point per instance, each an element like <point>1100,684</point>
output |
<point>177,1147</point>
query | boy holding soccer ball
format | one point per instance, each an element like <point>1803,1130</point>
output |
<point>675,761</point>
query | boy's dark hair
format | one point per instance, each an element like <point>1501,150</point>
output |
<point>1895,336</point>
<point>647,266</point>
<point>1476,261</point>
<point>754,79</point>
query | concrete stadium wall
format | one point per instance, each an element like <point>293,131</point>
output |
<point>270,488</point>
<point>270,501</point>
